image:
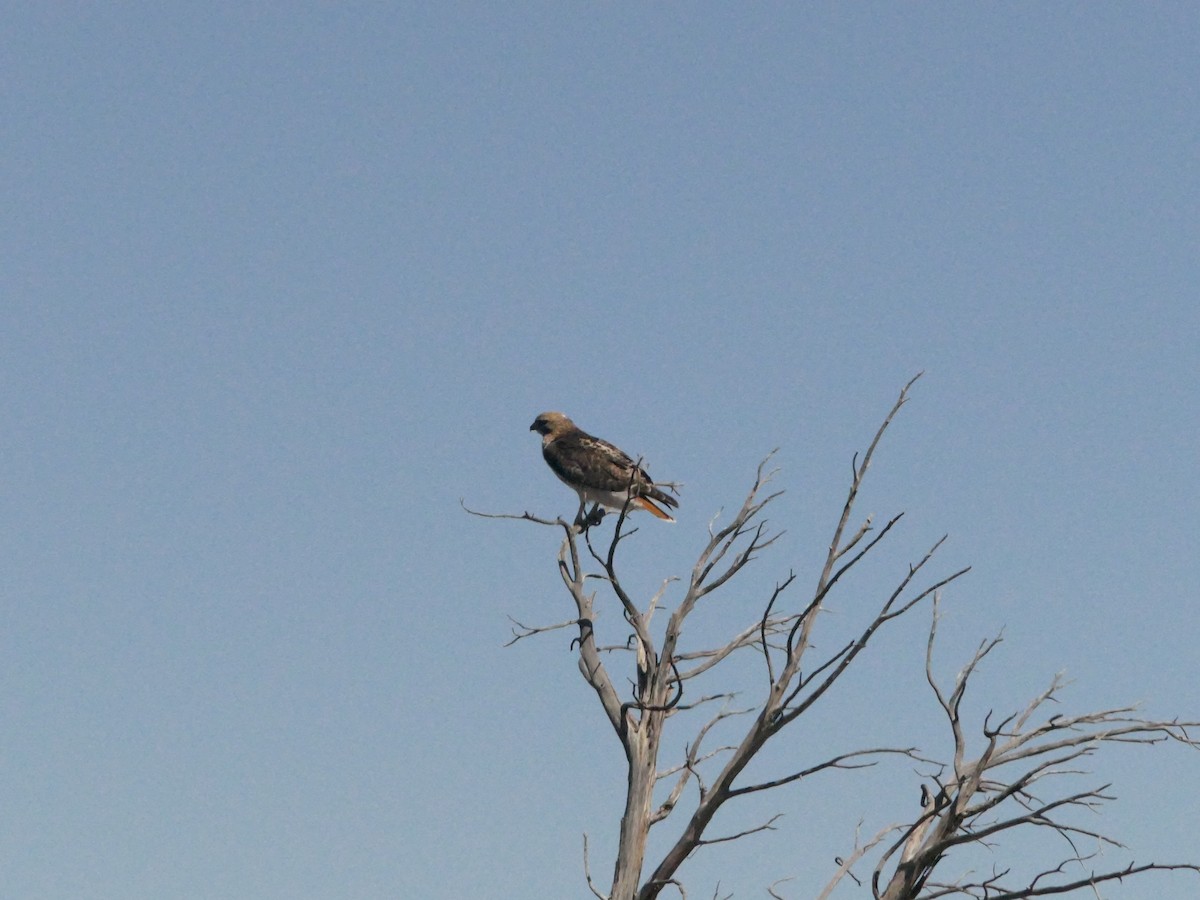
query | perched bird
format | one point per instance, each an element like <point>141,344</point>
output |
<point>597,471</point>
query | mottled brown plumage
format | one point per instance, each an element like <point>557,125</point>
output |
<point>598,471</point>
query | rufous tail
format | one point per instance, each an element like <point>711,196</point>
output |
<point>649,506</point>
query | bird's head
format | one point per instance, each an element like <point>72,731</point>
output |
<point>551,423</point>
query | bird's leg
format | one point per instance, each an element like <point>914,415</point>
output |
<point>580,522</point>
<point>595,517</point>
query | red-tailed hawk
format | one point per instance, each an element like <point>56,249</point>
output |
<point>597,471</point>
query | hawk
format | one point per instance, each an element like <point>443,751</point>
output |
<point>597,471</point>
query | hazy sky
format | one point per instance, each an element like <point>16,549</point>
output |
<point>281,283</point>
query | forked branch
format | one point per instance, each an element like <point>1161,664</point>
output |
<point>989,792</point>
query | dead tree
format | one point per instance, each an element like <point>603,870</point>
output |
<point>967,800</point>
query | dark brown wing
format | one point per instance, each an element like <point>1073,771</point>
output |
<point>589,462</point>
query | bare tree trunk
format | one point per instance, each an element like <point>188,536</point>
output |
<point>635,823</point>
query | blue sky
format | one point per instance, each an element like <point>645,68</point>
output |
<point>281,284</point>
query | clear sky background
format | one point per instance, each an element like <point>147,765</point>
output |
<point>281,283</point>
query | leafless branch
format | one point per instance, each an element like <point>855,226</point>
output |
<point>996,782</point>
<point>521,631</point>
<point>525,516</point>
<point>784,701</point>
<point>587,872</point>
<point>688,769</point>
<point>769,825</point>
<point>774,884</point>
<point>751,636</point>
<point>837,762</point>
<point>846,864</point>
<point>993,890</point>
